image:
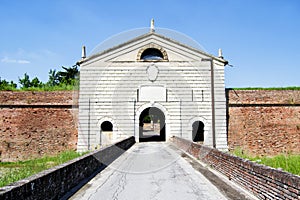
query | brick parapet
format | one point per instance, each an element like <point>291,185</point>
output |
<point>263,96</point>
<point>38,98</point>
<point>264,182</point>
<point>57,182</point>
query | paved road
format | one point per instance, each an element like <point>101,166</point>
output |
<point>149,171</point>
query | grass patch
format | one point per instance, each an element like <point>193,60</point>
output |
<point>61,87</point>
<point>51,88</point>
<point>289,162</point>
<point>14,171</point>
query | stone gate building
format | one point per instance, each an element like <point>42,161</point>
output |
<point>152,78</point>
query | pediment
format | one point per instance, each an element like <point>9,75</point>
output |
<point>131,51</point>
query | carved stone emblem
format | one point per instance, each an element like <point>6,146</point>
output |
<point>152,71</point>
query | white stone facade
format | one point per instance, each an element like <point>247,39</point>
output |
<point>117,85</point>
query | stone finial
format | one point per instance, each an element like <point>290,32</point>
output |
<point>220,55</point>
<point>152,28</point>
<point>83,52</point>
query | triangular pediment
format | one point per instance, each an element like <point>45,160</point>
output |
<point>131,51</point>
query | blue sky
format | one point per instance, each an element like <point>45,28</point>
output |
<point>260,38</point>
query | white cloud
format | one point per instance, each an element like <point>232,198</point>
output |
<point>23,61</point>
<point>8,60</point>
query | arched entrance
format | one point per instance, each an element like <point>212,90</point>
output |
<point>152,125</point>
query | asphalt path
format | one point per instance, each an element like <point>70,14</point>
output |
<point>149,171</point>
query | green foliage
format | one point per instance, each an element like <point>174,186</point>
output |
<point>147,119</point>
<point>60,87</point>
<point>240,153</point>
<point>61,80</point>
<point>290,163</point>
<point>27,83</point>
<point>14,171</point>
<point>53,78</point>
<point>36,83</point>
<point>68,76</point>
<point>286,162</point>
<point>4,85</point>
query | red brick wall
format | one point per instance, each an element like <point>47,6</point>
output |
<point>264,122</point>
<point>33,124</point>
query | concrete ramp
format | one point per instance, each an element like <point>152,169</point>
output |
<point>149,171</point>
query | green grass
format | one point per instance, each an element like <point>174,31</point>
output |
<point>289,162</point>
<point>269,88</point>
<point>44,88</point>
<point>52,88</point>
<point>14,171</point>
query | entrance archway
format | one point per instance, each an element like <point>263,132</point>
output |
<point>152,125</point>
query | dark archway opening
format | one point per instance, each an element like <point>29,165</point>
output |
<point>198,131</point>
<point>106,126</point>
<point>152,54</point>
<point>152,125</point>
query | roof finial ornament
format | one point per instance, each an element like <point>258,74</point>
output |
<point>83,53</point>
<point>152,29</point>
<point>220,54</point>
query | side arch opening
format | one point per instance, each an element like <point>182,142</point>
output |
<point>198,131</point>
<point>106,133</point>
<point>106,126</point>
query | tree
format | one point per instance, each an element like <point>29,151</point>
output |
<point>12,85</point>
<point>36,83</point>
<point>5,85</point>
<point>62,79</point>
<point>69,75</point>
<point>25,82</point>
<point>53,78</point>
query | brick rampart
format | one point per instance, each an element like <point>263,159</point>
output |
<point>58,181</point>
<point>264,182</point>
<point>33,124</point>
<point>264,122</point>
